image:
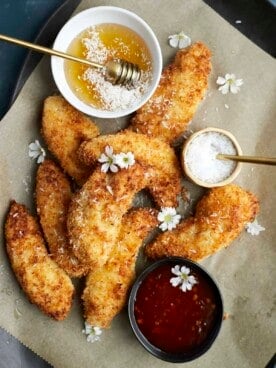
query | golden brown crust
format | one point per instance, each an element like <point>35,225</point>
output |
<point>96,211</point>
<point>64,128</point>
<point>107,287</point>
<point>182,86</point>
<point>44,283</point>
<point>158,159</point>
<point>53,196</point>
<point>219,218</point>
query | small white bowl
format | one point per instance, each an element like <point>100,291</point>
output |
<point>92,17</point>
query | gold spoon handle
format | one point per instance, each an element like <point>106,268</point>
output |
<point>249,159</point>
<point>46,50</point>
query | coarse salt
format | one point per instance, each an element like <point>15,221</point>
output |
<point>201,157</point>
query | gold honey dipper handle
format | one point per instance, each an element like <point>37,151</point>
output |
<point>249,159</point>
<point>119,72</point>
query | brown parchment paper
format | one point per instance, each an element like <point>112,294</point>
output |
<point>245,271</point>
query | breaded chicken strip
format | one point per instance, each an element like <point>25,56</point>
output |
<point>64,128</point>
<point>107,287</point>
<point>220,217</point>
<point>44,283</point>
<point>158,159</point>
<point>96,211</point>
<point>182,86</point>
<point>53,196</point>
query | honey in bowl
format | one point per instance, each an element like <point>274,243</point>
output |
<point>173,322</point>
<point>100,44</point>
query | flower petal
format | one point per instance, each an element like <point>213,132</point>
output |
<point>113,168</point>
<point>173,41</point>
<point>34,154</point>
<point>109,150</point>
<point>163,226</point>
<point>103,158</point>
<point>185,270</point>
<point>105,167</point>
<point>188,286</point>
<point>33,146</point>
<point>234,89</point>
<point>224,89</point>
<point>239,82</point>
<point>161,216</point>
<point>40,159</point>
<point>184,42</point>
<point>175,281</point>
<point>221,80</point>
<point>183,287</point>
<point>176,270</point>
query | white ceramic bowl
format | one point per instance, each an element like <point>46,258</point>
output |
<point>92,17</point>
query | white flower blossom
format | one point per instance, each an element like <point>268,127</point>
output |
<point>168,218</point>
<point>229,83</point>
<point>93,333</point>
<point>254,228</point>
<point>124,160</point>
<point>179,40</point>
<point>36,151</point>
<point>183,279</point>
<point>108,160</point>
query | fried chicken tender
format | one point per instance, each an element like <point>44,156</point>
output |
<point>182,86</point>
<point>107,287</point>
<point>96,212</point>
<point>220,217</point>
<point>64,128</point>
<point>45,284</point>
<point>53,196</point>
<point>158,158</point>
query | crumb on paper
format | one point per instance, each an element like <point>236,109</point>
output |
<point>254,228</point>
<point>185,195</point>
<point>226,316</point>
<point>226,106</point>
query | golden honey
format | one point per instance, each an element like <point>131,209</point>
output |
<point>100,44</point>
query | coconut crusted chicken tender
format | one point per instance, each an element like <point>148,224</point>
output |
<point>45,284</point>
<point>162,170</point>
<point>220,217</point>
<point>53,196</point>
<point>181,88</point>
<point>96,212</point>
<point>64,128</point>
<point>107,286</point>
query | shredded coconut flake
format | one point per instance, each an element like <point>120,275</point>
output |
<point>112,97</point>
<point>201,157</point>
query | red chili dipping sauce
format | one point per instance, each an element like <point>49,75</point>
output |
<point>173,320</point>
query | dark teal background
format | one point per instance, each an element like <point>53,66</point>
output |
<point>20,19</point>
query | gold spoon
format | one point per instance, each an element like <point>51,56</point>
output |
<point>249,159</point>
<point>116,71</point>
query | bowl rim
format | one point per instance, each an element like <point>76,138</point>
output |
<point>198,181</point>
<point>57,65</point>
<point>155,351</point>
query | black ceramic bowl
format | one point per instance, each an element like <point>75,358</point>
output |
<point>142,317</point>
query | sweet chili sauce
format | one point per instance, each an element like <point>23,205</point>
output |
<point>172,320</point>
